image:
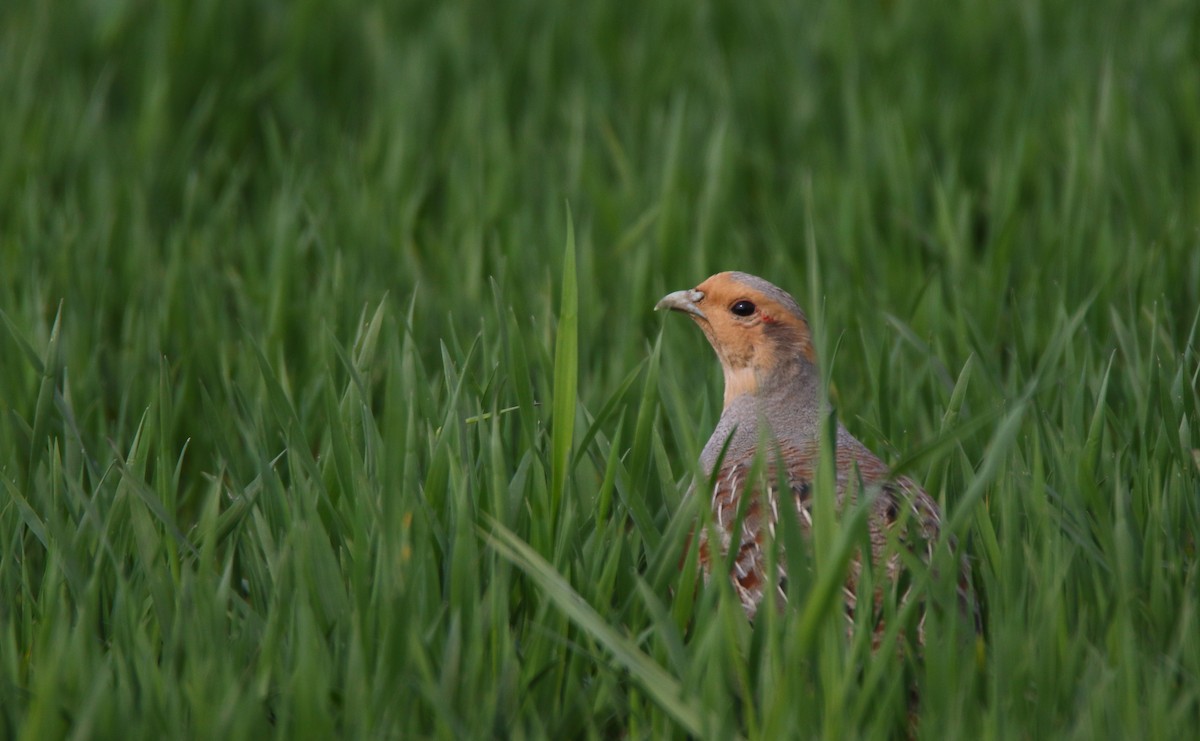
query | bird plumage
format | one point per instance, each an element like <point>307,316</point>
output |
<point>772,394</point>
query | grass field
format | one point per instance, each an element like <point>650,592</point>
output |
<point>334,404</point>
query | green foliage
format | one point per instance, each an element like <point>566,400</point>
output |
<point>323,417</point>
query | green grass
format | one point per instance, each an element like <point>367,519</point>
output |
<point>334,404</point>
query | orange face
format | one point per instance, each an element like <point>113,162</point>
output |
<point>754,327</point>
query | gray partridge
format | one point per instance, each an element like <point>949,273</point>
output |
<point>764,344</point>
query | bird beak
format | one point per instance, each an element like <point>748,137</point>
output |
<point>684,301</point>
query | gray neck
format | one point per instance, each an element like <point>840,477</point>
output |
<point>789,404</point>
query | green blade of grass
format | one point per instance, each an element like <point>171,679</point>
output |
<point>656,681</point>
<point>566,374</point>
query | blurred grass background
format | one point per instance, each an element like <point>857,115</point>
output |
<point>287,298</point>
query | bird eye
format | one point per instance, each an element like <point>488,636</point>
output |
<point>742,307</point>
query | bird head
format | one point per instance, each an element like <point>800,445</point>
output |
<point>758,331</point>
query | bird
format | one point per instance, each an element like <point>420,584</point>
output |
<point>772,394</point>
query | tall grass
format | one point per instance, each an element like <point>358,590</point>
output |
<point>334,404</point>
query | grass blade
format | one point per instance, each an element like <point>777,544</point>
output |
<point>655,681</point>
<point>566,374</point>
